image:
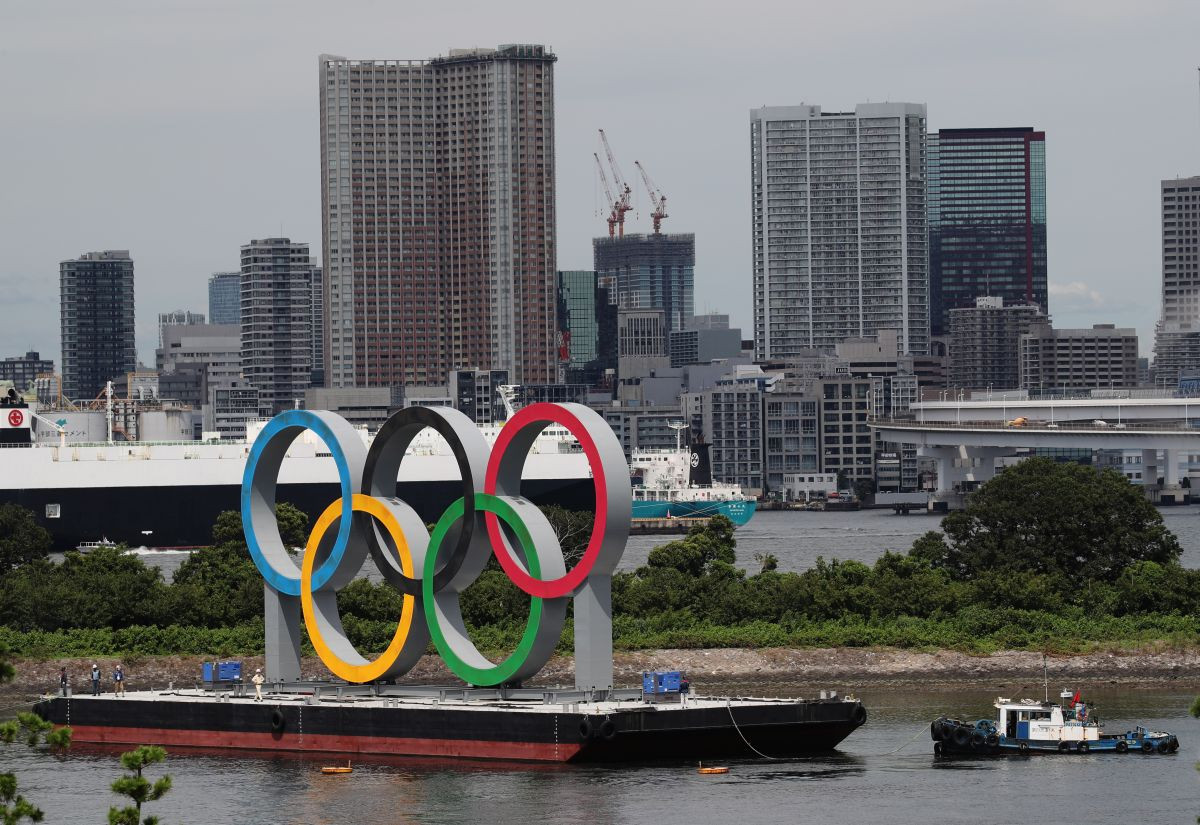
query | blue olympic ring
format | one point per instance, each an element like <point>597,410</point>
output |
<point>276,437</point>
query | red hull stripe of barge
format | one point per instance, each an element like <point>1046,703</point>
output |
<point>326,743</point>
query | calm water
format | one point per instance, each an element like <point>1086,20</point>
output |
<point>863,782</point>
<point>796,538</point>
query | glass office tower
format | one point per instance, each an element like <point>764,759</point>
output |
<point>987,219</point>
<point>587,329</point>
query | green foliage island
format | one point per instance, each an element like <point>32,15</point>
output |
<point>1046,556</point>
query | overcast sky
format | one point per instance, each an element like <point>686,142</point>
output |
<point>180,130</point>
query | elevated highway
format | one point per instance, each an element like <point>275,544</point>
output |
<point>965,451</point>
<point>1059,410</point>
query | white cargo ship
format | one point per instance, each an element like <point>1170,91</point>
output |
<point>168,494</point>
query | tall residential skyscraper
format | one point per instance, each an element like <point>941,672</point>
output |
<point>987,219</point>
<point>225,298</point>
<point>96,321</point>
<point>655,271</point>
<point>1177,336</point>
<point>276,321</point>
<point>437,191</point>
<point>839,225</point>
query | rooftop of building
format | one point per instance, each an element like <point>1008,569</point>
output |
<point>475,54</point>
<point>804,111</point>
<point>990,132</point>
<point>105,255</point>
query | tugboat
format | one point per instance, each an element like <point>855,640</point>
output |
<point>1029,726</point>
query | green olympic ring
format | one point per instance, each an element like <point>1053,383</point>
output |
<point>442,611</point>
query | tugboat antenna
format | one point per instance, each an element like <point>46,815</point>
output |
<point>1046,678</point>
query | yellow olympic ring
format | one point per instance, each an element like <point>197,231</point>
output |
<point>361,670</point>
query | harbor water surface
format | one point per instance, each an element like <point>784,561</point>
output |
<point>797,538</point>
<point>883,773</point>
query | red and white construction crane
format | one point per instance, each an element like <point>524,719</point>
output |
<point>657,199</point>
<point>621,203</point>
<point>612,202</point>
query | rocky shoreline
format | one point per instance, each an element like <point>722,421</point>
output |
<point>845,667</point>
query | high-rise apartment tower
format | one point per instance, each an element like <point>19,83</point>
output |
<point>839,226</point>
<point>1177,336</point>
<point>437,190</point>
<point>276,321</point>
<point>96,321</point>
<point>987,219</point>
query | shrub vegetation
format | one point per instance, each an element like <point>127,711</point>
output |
<point>1045,556</point>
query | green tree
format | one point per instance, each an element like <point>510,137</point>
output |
<point>220,586</point>
<point>864,488</point>
<point>13,806</point>
<point>293,527</point>
<point>139,789</point>
<point>216,587</point>
<point>1040,516</point>
<point>704,544</point>
<point>104,588</point>
<point>767,562</point>
<point>22,539</point>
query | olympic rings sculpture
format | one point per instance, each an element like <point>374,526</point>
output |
<point>431,569</point>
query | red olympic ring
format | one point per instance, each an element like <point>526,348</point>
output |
<point>567,584</point>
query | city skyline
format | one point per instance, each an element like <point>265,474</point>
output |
<point>163,176</point>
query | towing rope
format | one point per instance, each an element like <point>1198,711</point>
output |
<point>729,707</point>
<point>907,742</point>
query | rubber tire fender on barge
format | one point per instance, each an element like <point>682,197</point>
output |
<point>278,722</point>
<point>860,715</point>
<point>961,737</point>
<point>608,730</point>
<point>585,728</point>
<point>977,739</point>
<point>1147,747</point>
<point>936,733</point>
<point>1084,747</point>
<point>1122,746</point>
<point>1164,746</point>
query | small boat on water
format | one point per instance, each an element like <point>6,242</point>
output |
<point>1029,726</point>
<point>337,769</point>
<point>89,546</point>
